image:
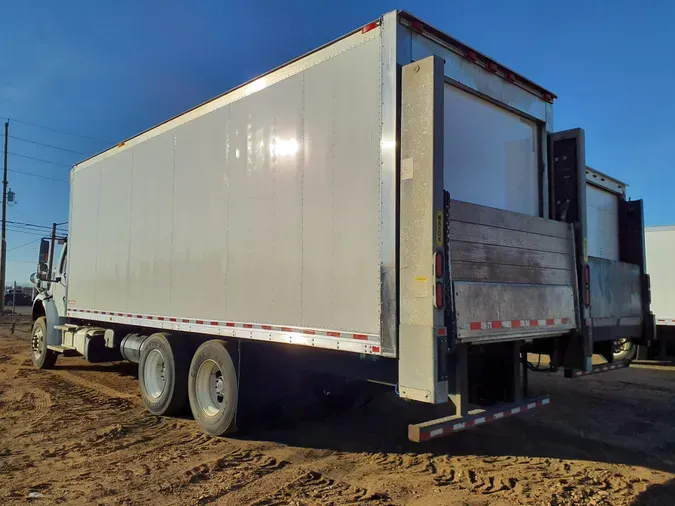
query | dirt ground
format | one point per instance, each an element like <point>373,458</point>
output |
<point>78,434</point>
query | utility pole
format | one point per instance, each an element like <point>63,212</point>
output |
<point>3,246</point>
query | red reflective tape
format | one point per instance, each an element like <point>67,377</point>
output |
<point>199,322</point>
<point>515,324</point>
<point>149,317</point>
<point>308,331</point>
<point>565,320</point>
<point>468,424</point>
<point>266,327</point>
<point>534,323</point>
<point>160,318</point>
<point>332,334</point>
<point>475,326</point>
<point>95,312</point>
<point>214,323</point>
<point>286,329</point>
<point>361,337</point>
<point>550,321</point>
<point>229,324</point>
<point>248,325</point>
<point>442,332</point>
<point>139,316</point>
<point>172,319</point>
<point>120,314</point>
<point>497,324</point>
<point>185,320</point>
<point>376,349</point>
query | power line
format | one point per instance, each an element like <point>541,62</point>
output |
<point>27,232</point>
<point>29,224</point>
<point>25,244</point>
<point>38,175</point>
<point>49,145</point>
<point>39,159</point>
<point>60,130</point>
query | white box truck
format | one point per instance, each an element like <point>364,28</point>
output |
<point>660,243</point>
<point>395,203</point>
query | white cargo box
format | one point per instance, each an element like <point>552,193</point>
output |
<point>269,212</point>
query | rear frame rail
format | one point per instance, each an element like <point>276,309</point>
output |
<point>440,427</point>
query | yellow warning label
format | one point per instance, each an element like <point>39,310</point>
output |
<point>585,250</point>
<point>439,228</point>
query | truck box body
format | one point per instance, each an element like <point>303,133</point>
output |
<point>270,211</point>
<point>307,205</point>
<point>616,276</point>
<point>393,193</point>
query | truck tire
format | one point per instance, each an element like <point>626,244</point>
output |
<point>162,374</point>
<point>43,358</point>
<point>213,388</point>
<point>624,350</point>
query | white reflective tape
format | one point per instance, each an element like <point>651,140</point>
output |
<point>515,410</point>
<point>524,323</point>
<point>497,416</point>
<point>436,432</point>
<point>479,420</point>
<point>532,405</point>
<point>541,323</point>
<point>545,401</point>
<point>506,324</point>
<point>557,321</point>
<point>458,426</point>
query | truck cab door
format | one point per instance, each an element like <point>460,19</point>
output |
<point>60,284</point>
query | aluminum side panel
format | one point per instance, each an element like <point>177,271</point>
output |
<point>112,248</point>
<point>82,240</point>
<point>660,243</point>
<point>341,192</point>
<point>264,239</point>
<point>602,215</point>
<point>148,288</point>
<point>199,245</point>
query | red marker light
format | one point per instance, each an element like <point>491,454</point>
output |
<point>417,25</point>
<point>438,301</point>
<point>370,26</point>
<point>438,260</point>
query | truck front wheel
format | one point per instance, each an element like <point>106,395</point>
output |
<point>162,374</point>
<point>213,388</point>
<point>43,358</point>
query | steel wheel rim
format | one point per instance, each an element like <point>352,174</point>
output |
<point>38,340</point>
<point>210,388</point>
<point>154,374</point>
<point>621,345</point>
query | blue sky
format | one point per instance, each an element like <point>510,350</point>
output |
<point>108,70</point>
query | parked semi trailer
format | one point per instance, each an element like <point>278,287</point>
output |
<point>393,206</point>
<point>660,243</point>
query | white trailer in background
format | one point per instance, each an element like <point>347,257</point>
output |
<point>660,242</point>
<point>394,203</point>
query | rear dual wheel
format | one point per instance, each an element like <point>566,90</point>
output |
<point>213,388</point>
<point>169,380</point>
<point>162,374</point>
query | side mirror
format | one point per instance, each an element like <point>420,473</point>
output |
<point>43,256</point>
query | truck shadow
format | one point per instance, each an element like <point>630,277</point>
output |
<point>126,369</point>
<point>598,432</point>
<point>657,495</point>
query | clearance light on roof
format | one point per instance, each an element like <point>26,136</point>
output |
<point>370,26</point>
<point>417,25</point>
